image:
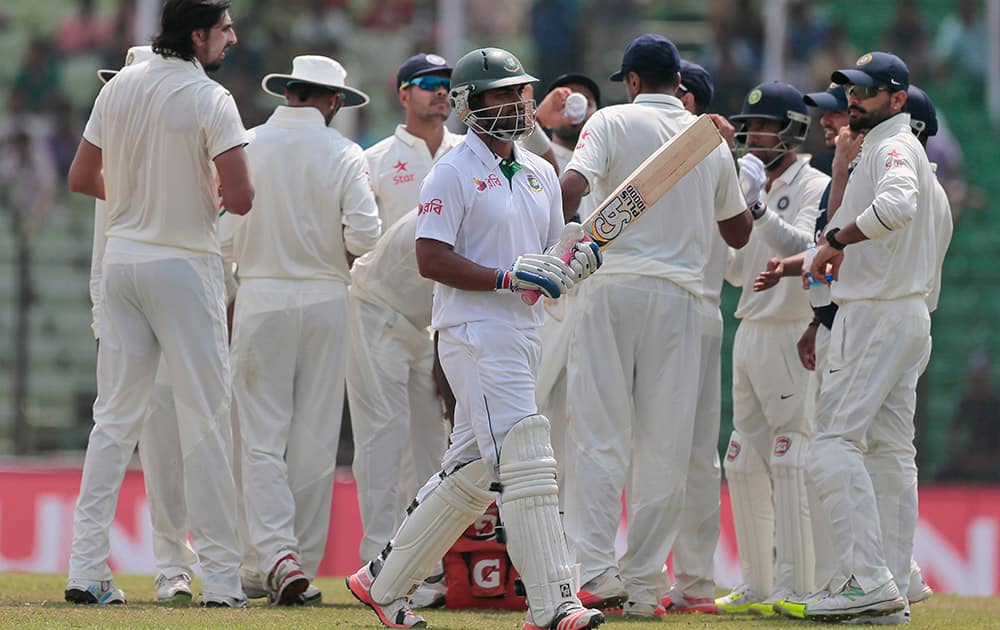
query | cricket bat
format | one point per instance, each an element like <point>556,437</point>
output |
<point>644,187</point>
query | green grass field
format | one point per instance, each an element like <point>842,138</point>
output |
<point>32,600</point>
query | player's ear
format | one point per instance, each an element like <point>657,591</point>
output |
<point>897,101</point>
<point>404,97</point>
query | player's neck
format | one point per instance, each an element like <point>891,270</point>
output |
<point>774,173</point>
<point>500,148</point>
<point>431,132</point>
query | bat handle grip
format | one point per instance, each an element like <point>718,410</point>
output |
<point>564,250</point>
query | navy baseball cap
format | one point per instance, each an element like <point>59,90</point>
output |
<point>772,101</point>
<point>418,65</point>
<point>921,109</point>
<point>874,69</point>
<point>649,52</point>
<point>698,82</point>
<point>833,99</point>
<point>580,79</point>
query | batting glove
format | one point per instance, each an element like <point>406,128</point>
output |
<point>539,272</point>
<point>585,259</point>
<point>752,178</point>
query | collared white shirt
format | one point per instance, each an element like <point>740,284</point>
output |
<point>589,202</point>
<point>159,124</point>
<point>468,203</point>
<point>388,275</point>
<point>312,200</point>
<point>398,165</point>
<point>785,229</point>
<point>889,195</point>
<point>671,240</point>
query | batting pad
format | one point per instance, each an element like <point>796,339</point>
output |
<point>796,560</point>
<point>753,513</point>
<point>431,528</point>
<point>530,510</point>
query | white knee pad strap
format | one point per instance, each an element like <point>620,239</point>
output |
<point>430,529</point>
<point>792,528</point>
<point>753,513</point>
<point>530,509</point>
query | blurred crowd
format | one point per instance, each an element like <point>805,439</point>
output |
<point>46,99</point>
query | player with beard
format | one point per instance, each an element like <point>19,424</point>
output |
<point>148,149</point>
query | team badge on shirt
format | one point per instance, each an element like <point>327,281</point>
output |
<point>534,184</point>
<point>783,203</point>
<point>434,205</point>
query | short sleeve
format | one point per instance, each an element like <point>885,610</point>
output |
<point>591,156</point>
<point>221,121</point>
<point>442,206</point>
<point>729,200</point>
<point>92,133</point>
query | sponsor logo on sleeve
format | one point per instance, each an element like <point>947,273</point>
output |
<point>894,159</point>
<point>433,205</point>
<point>583,136</point>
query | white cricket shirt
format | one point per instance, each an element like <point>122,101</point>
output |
<point>313,199</point>
<point>785,229</point>
<point>398,165</point>
<point>671,239</point>
<point>589,202</point>
<point>468,203</point>
<point>159,124</point>
<point>388,274</point>
<point>889,194</point>
<point>943,228</point>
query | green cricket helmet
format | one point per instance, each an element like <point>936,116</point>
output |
<point>486,69</point>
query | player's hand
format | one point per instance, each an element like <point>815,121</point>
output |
<point>770,276</point>
<point>549,113</point>
<point>752,177</point>
<point>848,145</point>
<point>826,264</point>
<point>585,259</point>
<point>540,272</point>
<point>807,348</point>
<point>726,129</point>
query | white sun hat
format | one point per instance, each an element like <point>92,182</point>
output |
<point>317,70</point>
<point>135,54</point>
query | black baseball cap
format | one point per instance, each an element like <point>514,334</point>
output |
<point>649,52</point>
<point>833,99</point>
<point>580,79</point>
<point>921,109</point>
<point>419,65</point>
<point>874,69</point>
<point>698,82</point>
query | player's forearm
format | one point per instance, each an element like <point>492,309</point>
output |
<point>785,238</point>
<point>437,261</point>
<point>574,186</point>
<point>837,188</point>
<point>792,266</point>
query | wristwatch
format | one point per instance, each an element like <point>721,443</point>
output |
<point>757,209</point>
<point>831,240</point>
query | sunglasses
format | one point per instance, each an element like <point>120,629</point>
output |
<point>430,83</point>
<point>861,92</point>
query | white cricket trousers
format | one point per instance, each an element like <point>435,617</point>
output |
<point>491,367</point>
<point>161,300</point>
<point>864,461</point>
<point>162,462</point>
<point>633,373</point>
<point>289,357</point>
<point>550,389</point>
<point>698,533</point>
<point>397,422</point>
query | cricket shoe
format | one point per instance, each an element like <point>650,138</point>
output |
<point>604,591</point>
<point>918,590</point>
<point>851,602</point>
<point>214,600</point>
<point>643,611</point>
<point>253,585</point>
<point>431,593</point>
<point>796,608</point>
<point>312,596</point>
<point>395,614</point>
<point>739,601</point>
<point>80,591</point>
<point>676,602</point>
<point>286,582</point>
<point>569,616</point>
<point>173,589</point>
<point>766,607</point>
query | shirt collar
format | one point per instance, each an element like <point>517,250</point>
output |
<point>286,116</point>
<point>791,172</point>
<point>659,99</point>
<point>889,127</point>
<point>406,137</point>
<point>487,157</point>
<point>194,65</point>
